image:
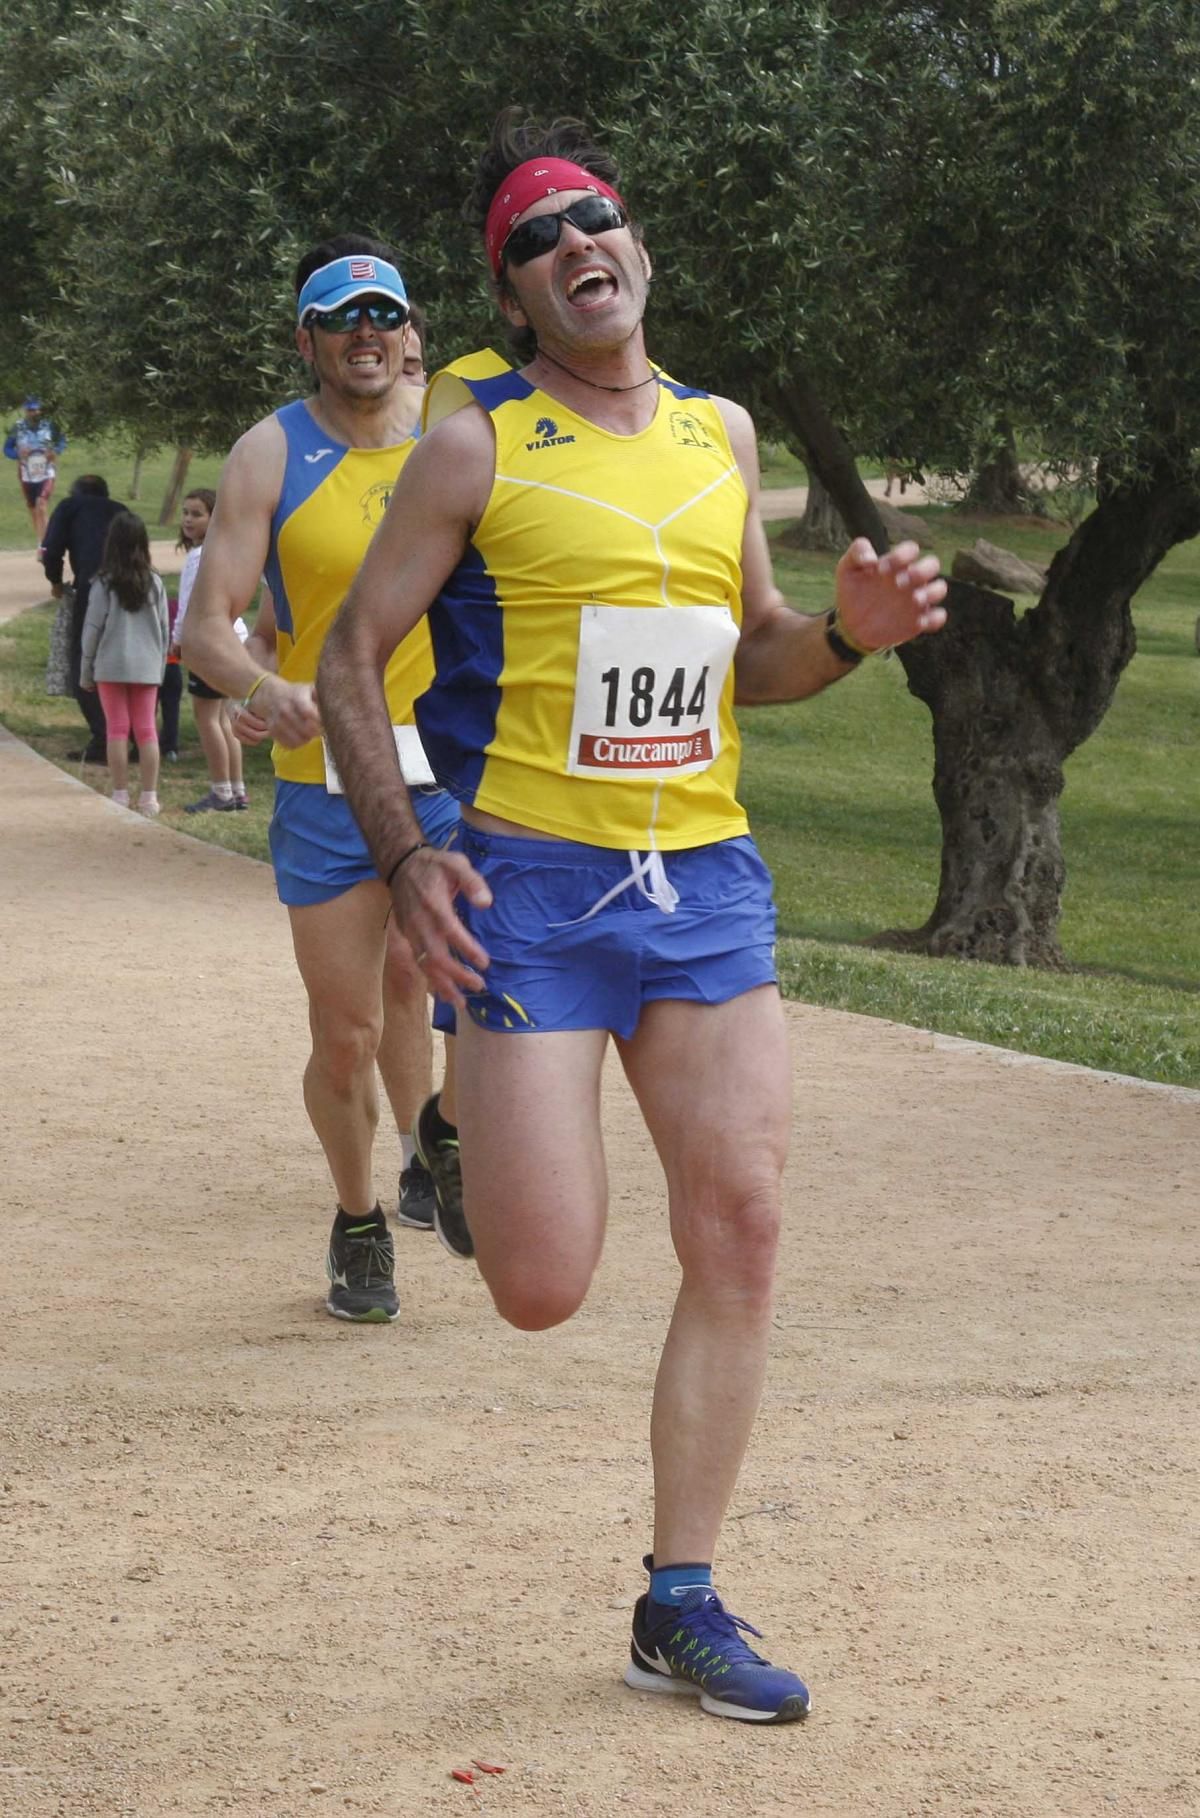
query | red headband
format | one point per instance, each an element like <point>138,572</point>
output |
<point>527,184</point>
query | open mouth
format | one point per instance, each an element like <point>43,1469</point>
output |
<point>590,288</point>
<point>366,361</point>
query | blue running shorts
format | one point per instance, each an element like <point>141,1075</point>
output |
<point>317,849</point>
<point>556,966</point>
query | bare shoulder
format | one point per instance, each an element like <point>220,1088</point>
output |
<point>263,438</point>
<point>454,464</point>
<point>466,435</point>
<point>256,464</point>
<point>739,425</point>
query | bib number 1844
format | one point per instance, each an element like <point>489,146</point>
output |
<point>637,697</point>
<point>648,689</point>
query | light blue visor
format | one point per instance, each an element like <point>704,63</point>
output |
<point>339,282</point>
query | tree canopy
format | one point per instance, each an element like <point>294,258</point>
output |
<point>945,216</point>
<point>903,227</point>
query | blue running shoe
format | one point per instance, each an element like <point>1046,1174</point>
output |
<point>698,1649</point>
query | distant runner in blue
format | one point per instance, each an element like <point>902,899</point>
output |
<point>33,442</point>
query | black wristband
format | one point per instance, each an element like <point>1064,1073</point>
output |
<point>421,846</point>
<point>844,652</point>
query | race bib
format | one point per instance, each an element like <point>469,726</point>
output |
<point>414,765</point>
<point>37,464</point>
<point>648,689</point>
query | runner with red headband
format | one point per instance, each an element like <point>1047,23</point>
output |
<point>599,592</point>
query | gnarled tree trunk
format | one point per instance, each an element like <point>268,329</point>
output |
<point>1012,697</point>
<point>997,778</point>
<point>821,526</point>
<point>997,485</point>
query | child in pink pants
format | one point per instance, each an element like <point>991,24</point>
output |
<point>125,638</point>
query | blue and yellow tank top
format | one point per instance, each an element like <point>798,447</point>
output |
<point>584,645</point>
<point>332,499</point>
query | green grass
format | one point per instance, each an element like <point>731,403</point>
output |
<point>115,461</point>
<point>1092,1019</point>
<point>839,794</point>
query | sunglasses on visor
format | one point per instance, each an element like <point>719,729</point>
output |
<point>381,312</point>
<point>591,215</point>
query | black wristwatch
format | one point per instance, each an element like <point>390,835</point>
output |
<point>845,653</point>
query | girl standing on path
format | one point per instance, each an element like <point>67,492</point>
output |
<point>125,638</point>
<point>222,752</point>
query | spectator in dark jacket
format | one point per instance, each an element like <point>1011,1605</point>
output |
<point>77,530</point>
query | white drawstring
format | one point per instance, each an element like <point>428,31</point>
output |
<point>648,873</point>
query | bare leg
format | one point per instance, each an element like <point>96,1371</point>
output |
<point>117,751</point>
<point>233,746</point>
<point>339,949</point>
<point>148,763</point>
<point>720,1125</point>
<point>537,1211</point>
<point>212,738</point>
<point>406,1048</point>
<point>448,1095</point>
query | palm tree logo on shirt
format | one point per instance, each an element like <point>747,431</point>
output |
<point>688,431</point>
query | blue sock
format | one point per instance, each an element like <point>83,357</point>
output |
<point>670,1584</point>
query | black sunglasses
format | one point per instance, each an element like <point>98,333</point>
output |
<point>591,215</point>
<point>381,312</point>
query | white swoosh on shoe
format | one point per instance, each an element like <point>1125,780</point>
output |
<point>654,1661</point>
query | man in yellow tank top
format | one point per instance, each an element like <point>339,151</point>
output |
<point>300,498</point>
<point>599,591</point>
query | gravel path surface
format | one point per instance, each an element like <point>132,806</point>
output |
<point>254,1561</point>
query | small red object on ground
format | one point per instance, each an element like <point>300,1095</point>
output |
<point>462,1774</point>
<point>488,1767</point>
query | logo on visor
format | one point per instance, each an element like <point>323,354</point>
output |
<point>546,429</point>
<point>362,269</point>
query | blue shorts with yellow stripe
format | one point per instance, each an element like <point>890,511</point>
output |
<point>318,850</point>
<point>580,937</point>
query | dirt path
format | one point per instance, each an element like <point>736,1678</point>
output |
<point>23,582</point>
<point>256,1562</point>
<point>789,501</point>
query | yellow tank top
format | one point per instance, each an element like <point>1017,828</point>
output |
<point>584,645</point>
<point>331,501</point>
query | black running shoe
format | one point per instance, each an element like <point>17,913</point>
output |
<point>361,1266</point>
<point>444,1164</point>
<point>416,1198</point>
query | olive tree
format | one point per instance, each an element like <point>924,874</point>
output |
<point>908,227</point>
